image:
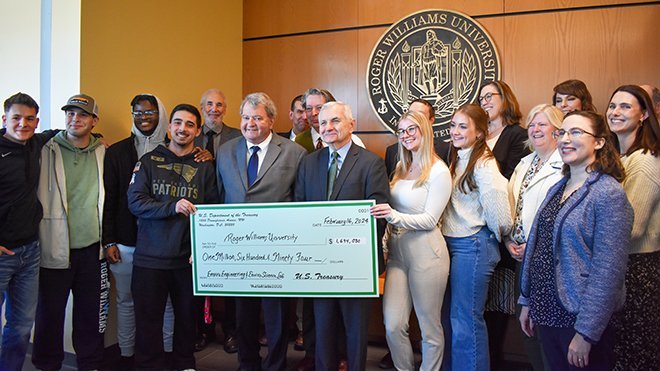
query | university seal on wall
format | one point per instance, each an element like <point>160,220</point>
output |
<point>439,55</point>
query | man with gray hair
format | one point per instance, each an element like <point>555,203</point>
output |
<point>213,106</point>
<point>259,167</point>
<point>215,132</point>
<point>342,171</point>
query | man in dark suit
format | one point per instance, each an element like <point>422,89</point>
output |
<point>440,146</point>
<point>215,132</point>
<point>360,175</point>
<point>297,117</point>
<point>213,106</point>
<point>313,100</point>
<point>259,167</point>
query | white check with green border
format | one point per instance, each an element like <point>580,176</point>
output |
<point>286,249</point>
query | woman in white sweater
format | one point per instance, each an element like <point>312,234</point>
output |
<point>477,217</point>
<point>418,262</point>
<point>631,118</point>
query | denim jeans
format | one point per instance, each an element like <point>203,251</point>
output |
<point>473,260</point>
<point>122,271</point>
<point>19,284</point>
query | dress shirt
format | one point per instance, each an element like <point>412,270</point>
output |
<point>263,148</point>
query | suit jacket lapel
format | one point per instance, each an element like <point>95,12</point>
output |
<point>273,152</point>
<point>241,161</point>
<point>322,172</point>
<point>346,166</point>
<point>547,169</point>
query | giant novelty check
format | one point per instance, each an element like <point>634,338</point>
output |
<point>314,249</point>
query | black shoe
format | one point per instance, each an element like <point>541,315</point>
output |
<point>386,362</point>
<point>231,344</point>
<point>202,343</point>
<point>127,363</point>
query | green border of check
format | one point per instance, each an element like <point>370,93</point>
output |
<point>290,205</point>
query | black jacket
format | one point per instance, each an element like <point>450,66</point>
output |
<point>510,149</point>
<point>20,210</point>
<point>119,225</point>
<point>160,180</point>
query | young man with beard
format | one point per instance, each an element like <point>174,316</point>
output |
<point>166,184</point>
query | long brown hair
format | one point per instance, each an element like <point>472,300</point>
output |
<point>511,114</point>
<point>480,150</point>
<point>607,159</point>
<point>648,133</point>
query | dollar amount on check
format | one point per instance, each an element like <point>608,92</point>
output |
<point>314,249</point>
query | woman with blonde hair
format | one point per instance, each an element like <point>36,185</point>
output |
<point>418,261</point>
<point>529,184</point>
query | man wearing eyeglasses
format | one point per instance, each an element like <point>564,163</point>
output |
<point>310,139</point>
<point>149,130</point>
<point>215,132</point>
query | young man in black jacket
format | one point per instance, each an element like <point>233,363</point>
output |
<point>20,214</point>
<point>149,130</point>
<point>166,185</point>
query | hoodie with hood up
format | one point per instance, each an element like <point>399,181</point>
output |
<point>119,225</point>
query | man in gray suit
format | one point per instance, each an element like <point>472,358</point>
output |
<point>342,171</point>
<point>259,167</point>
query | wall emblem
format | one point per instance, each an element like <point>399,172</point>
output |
<point>439,55</point>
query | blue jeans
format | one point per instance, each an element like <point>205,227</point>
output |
<point>123,272</point>
<point>19,284</point>
<point>473,260</point>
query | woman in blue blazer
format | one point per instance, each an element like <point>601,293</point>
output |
<point>573,270</point>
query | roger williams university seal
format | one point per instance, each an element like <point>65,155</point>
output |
<point>441,56</point>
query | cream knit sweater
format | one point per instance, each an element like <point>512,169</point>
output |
<point>488,205</point>
<point>642,186</point>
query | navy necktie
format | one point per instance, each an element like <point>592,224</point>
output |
<point>253,166</point>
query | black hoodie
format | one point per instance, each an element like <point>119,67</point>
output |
<point>20,210</point>
<point>160,180</point>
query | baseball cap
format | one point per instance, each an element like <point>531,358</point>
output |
<point>84,102</point>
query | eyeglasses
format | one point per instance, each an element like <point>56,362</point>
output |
<point>572,133</point>
<point>486,98</point>
<point>410,130</point>
<point>144,113</point>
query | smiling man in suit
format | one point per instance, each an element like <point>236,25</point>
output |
<point>342,171</point>
<point>259,167</point>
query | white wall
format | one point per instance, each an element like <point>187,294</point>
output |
<point>40,53</point>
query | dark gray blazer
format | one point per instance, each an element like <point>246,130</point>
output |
<point>276,177</point>
<point>362,177</point>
